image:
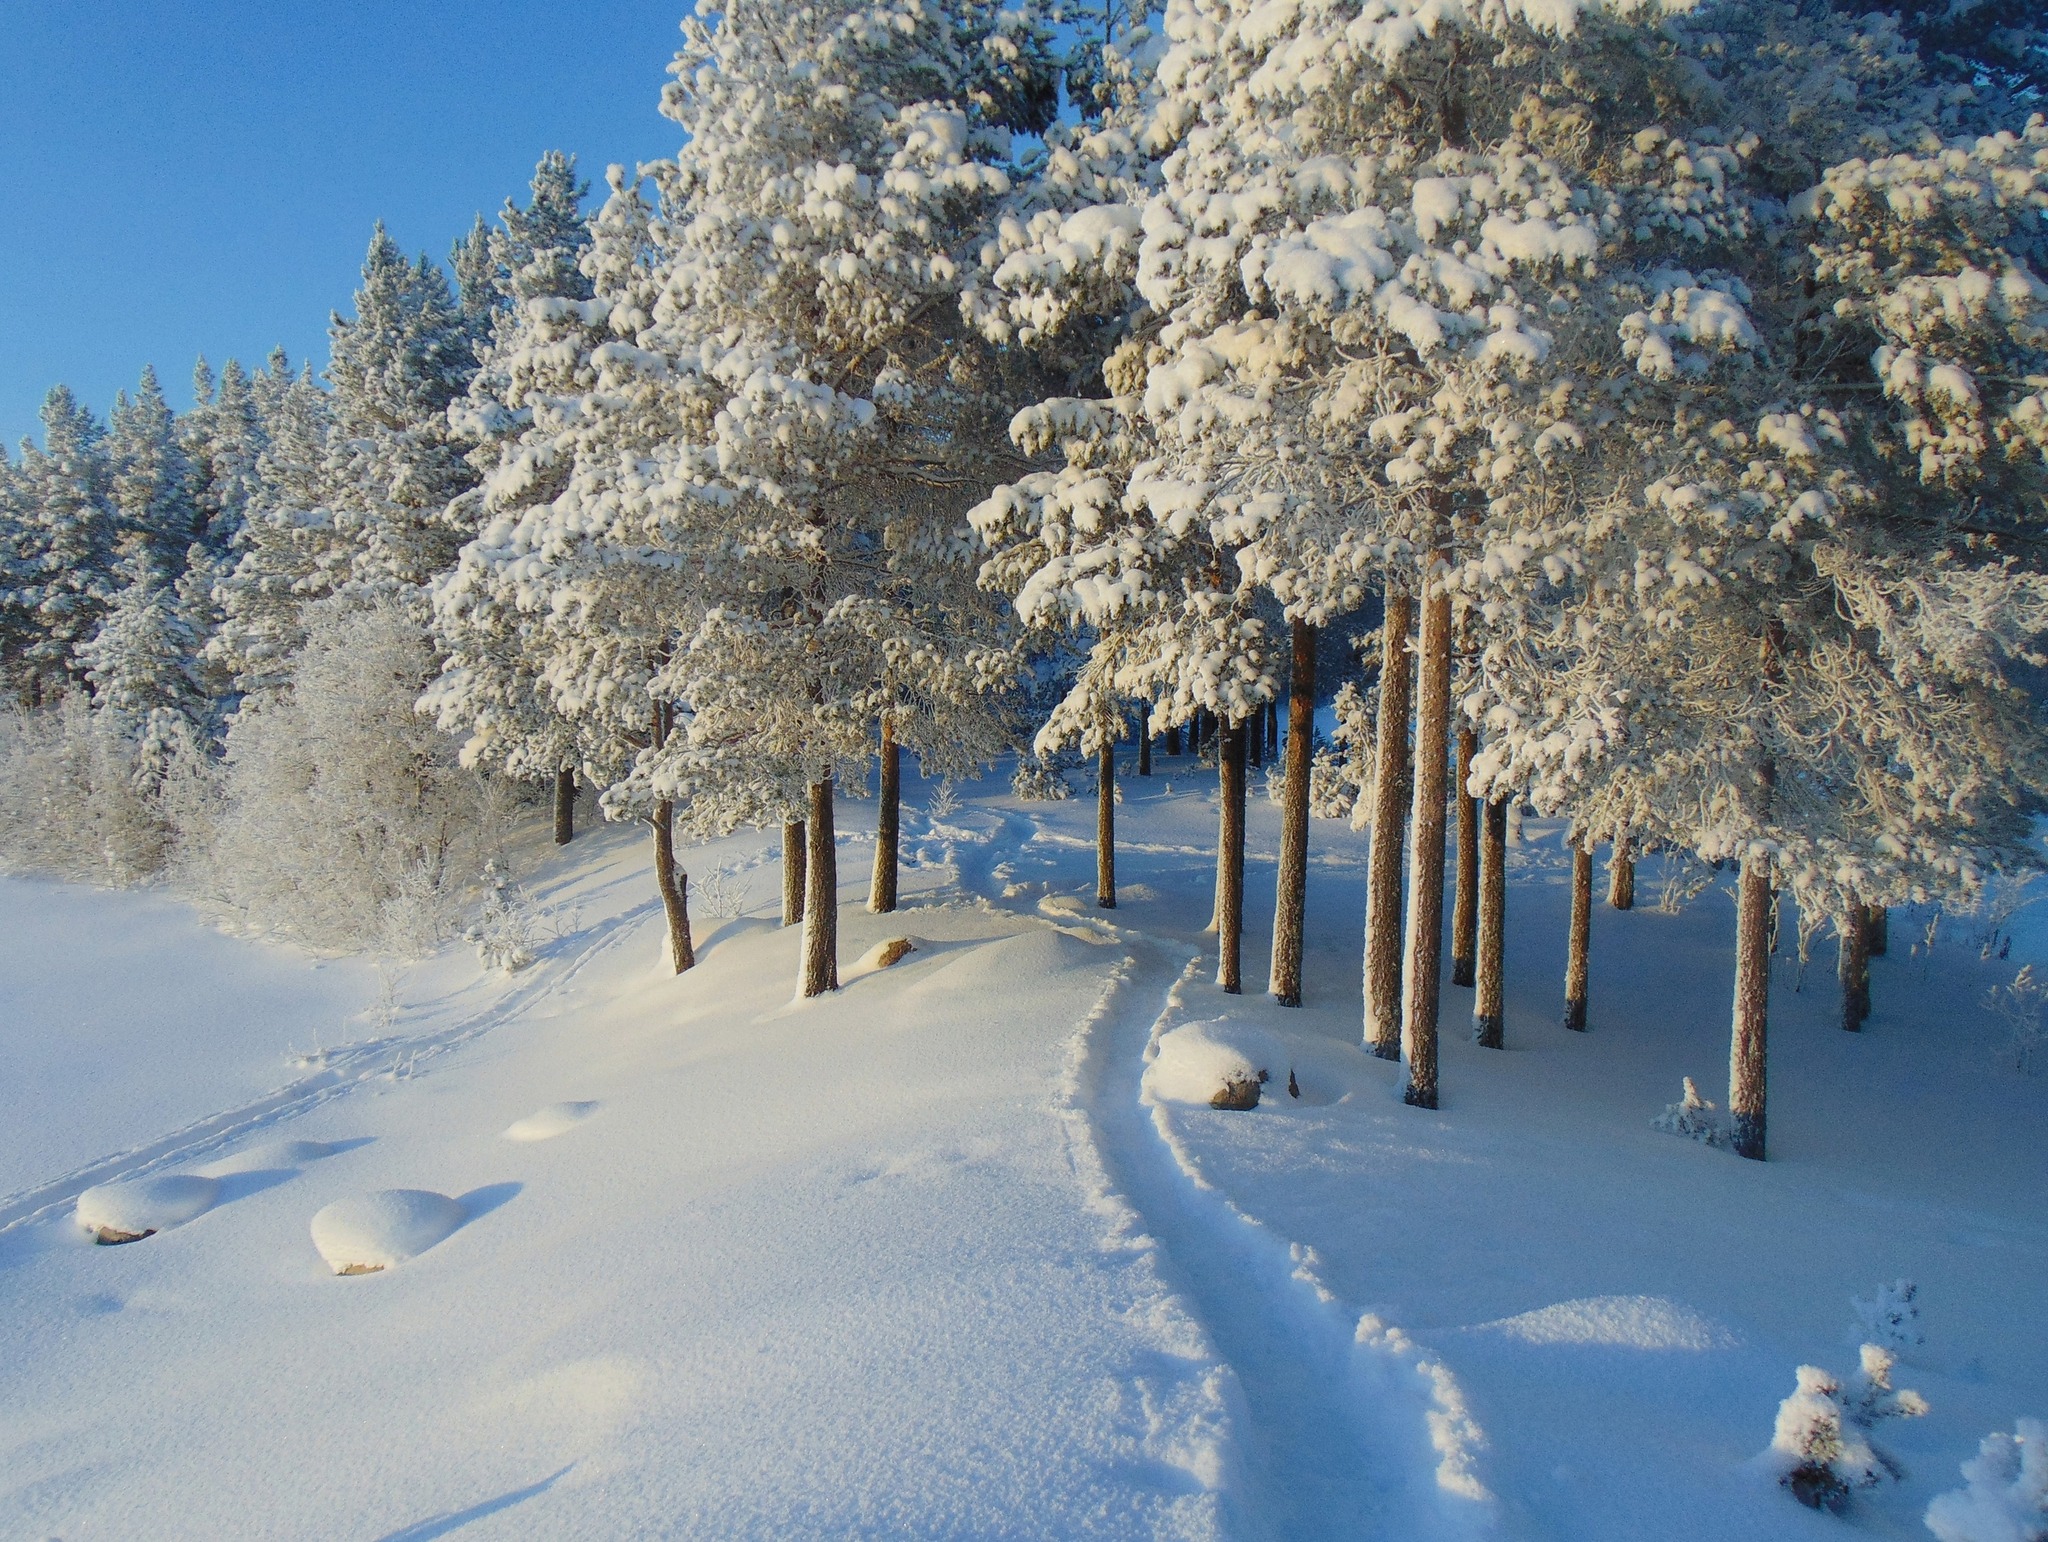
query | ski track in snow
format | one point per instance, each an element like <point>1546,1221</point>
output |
<point>1339,1426</point>
<point>342,1070</point>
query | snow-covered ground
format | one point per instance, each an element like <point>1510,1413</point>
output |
<point>926,1258</point>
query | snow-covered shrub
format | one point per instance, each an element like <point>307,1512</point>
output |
<point>90,794</point>
<point>2006,1497</point>
<point>1818,1450</point>
<point>344,818</point>
<point>1041,779</point>
<point>722,892</point>
<point>1694,1118</point>
<point>2024,1006</point>
<point>944,800</point>
<point>1890,1319</point>
<point>506,931</point>
<point>1871,1398</point>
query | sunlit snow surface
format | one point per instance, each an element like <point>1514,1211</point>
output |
<point>927,1258</point>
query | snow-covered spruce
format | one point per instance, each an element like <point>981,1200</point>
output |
<point>1818,1450</point>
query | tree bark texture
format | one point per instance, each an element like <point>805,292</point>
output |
<point>1290,894</point>
<point>1105,826</point>
<point>821,896</point>
<point>888,824</point>
<point>1230,859</point>
<point>1144,746</point>
<point>1747,1046</point>
<point>1465,902</point>
<point>1621,875</point>
<point>1852,967</point>
<point>1421,978</point>
<point>1489,1021</point>
<point>792,872</point>
<point>565,807</point>
<point>1389,822</point>
<point>1173,740</point>
<point>1879,929</point>
<point>675,889</point>
<point>1581,937</point>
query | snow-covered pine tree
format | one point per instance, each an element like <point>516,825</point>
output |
<point>64,547</point>
<point>140,660</point>
<point>153,480</point>
<point>222,437</point>
<point>840,167</point>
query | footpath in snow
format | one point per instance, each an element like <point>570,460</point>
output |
<point>929,1258</point>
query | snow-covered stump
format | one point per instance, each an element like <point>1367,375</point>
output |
<point>374,1232</point>
<point>1290,886</point>
<point>792,872</point>
<point>1852,966</point>
<point>1465,900</point>
<point>1424,962</point>
<point>1105,824</point>
<point>888,823</point>
<point>141,1207</point>
<point>1389,818</point>
<point>1580,940</point>
<point>1230,859</point>
<point>820,965</point>
<point>1621,875</point>
<point>1489,1023</point>
<point>565,806</point>
<point>1747,1050</point>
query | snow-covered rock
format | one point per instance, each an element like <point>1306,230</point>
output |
<point>374,1231</point>
<point>140,1207</point>
<point>547,1123</point>
<point>883,954</point>
<point>1218,1062</point>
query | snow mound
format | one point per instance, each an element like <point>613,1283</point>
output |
<point>547,1123</point>
<point>1197,1062</point>
<point>1628,1322</point>
<point>122,1212</point>
<point>271,1155</point>
<point>882,955</point>
<point>375,1231</point>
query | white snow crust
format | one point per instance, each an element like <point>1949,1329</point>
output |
<point>547,1123</point>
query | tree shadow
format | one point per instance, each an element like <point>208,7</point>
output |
<point>441,1525</point>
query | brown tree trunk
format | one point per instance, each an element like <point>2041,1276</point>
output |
<point>1230,858</point>
<point>1254,738</point>
<point>1879,929</point>
<point>792,871</point>
<point>1852,967</point>
<point>675,889</point>
<point>1581,937</point>
<point>1621,875</point>
<point>1746,1055</point>
<point>1421,979</point>
<point>1173,740</point>
<point>1105,825</point>
<point>1465,902</point>
<point>1290,893</point>
<point>565,807</point>
<point>1273,725</point>
<point>888,823</point>
<point>1489,1020</point>
<point>1389,820</point>
<point>821,896</point>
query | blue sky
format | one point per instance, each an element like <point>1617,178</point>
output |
<point>179,178</point>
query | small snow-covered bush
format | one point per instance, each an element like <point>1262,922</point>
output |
<point>1694,1118</point>
<point>2006,1497</point>
<point>944,800</point>
<point>2024,1007</point>
<point>1818,1450</point>
<point>344,818</point>
<point>1870,1397</point>
<point>1890,1319</point>
<point>722,892</point>
<point>506,930</point>
<point>1041,780</point>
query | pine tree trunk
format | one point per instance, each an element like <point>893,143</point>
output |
<point>1621,875</point>
<point>675,893</point>
<point>821,896</point>
<point>792,871</point>
<point>1230,858</point>
<point>565,807</point>
<point>1581,937</point>
<point>1254,728</point>
<point>1173,740</point>
<point>1389,821</point>
<point>1852,967</point>
<point>1105,826</point>
<point>888,824</point>
<point>1290,896</point>
<point>1489,1021</point>
<point>1273,725</point>
<point>1746,1055</point>
<point>1465,902</point>
<point>1421,979</point>
<point>1879,929</point>
<point>1144,745</point>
